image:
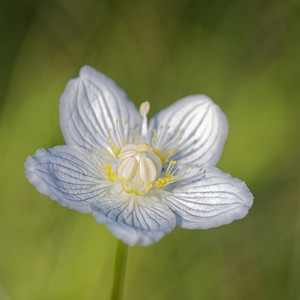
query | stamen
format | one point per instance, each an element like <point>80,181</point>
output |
<point>104,164</point>
<point>170,175</point>
<point>117,137</point>
<point>165,143</point>
<point>129,190</point>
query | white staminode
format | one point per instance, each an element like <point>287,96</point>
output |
<point>138,167</point>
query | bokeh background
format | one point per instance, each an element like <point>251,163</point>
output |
<point>243,54</point>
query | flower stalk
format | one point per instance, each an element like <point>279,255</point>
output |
<point>119,272</point>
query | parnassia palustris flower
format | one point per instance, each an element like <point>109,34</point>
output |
<point>140,180</point>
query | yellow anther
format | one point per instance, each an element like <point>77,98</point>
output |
<point>112,146</point>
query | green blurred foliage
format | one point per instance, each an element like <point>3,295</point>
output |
<point>243,54</point>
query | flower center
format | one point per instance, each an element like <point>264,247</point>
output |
<point>138,167</point>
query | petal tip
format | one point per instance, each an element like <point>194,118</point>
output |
<point>32,177</point>
<point>246,195</point>
<point>86,70</point>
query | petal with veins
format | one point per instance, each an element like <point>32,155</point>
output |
<point>206,198</point>
<point>136,220</point>
<point>202,125</point>
<point>67,175</point>
<point>91,107</point>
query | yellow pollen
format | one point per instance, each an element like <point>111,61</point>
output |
<point>110,174</point>
<point>112,146</point>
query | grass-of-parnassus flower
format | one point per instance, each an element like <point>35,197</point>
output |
<point>140,180</point>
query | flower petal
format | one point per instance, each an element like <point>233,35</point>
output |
<point>202,126</point>
<point>206,198</point>
<point>67,175</point>
<point>135,220</point>
<point>91,106</point>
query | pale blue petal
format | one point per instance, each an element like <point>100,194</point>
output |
<point>203,128</point>
<point>135,220</point>
<point>67,175</point>
<point>205,198</point>
<point>91,105</point>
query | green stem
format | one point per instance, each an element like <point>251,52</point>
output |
<point>119,273</point>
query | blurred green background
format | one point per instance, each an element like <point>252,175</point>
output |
<point>243,54</point>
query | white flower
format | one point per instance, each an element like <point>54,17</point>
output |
<point>139,182</point>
